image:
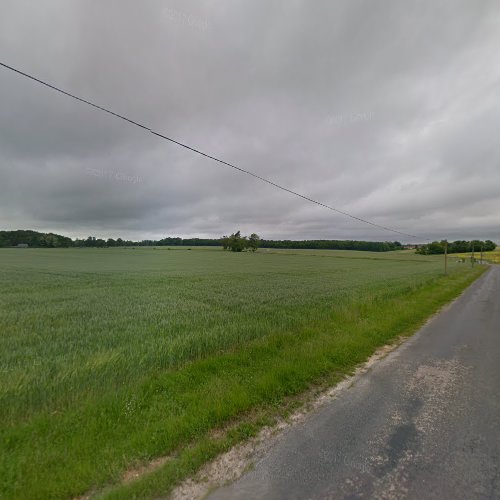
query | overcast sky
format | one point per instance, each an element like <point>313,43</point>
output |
<point>389,110</point>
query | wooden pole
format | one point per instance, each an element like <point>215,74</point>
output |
<point>472,256</point>
<point>446,257</point>
<point>481,254</point>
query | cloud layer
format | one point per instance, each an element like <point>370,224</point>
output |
<point>388,110</point>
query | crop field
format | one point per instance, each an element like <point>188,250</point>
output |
<point>111,358</point>
<point>492,257</point>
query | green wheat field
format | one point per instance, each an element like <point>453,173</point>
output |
<point>113,357</point>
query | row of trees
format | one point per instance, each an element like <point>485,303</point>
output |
<point>459,246</point>
<point>51,240</point>
<point>238,243</point>
<point>91,241</point>
<point>370,246</point>
<point>235,242</point>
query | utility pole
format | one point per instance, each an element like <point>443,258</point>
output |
<point>481,254</point>
<point>445,257</point>
<point>472,256</point>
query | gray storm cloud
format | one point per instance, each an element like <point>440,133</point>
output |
<point>388,110</point>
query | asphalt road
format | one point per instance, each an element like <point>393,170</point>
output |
<point>424,422</point>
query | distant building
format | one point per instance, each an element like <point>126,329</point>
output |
<point>22,245</point>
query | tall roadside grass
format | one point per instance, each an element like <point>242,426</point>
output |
<point>112,359</point>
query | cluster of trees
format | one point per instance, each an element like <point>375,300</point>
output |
<point>33,239</point>
<point>459,246</point>
<point>238,243</point>
<point>370,246</point>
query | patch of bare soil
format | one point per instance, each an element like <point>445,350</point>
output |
<point>135,473</point>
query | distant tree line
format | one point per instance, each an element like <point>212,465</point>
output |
<point>192,242</point>
<point>110,242</point>
<point>370,246</point>
<point>459,246</point>
<point>235,242</point>
<point>51,240</point>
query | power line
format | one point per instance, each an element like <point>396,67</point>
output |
<point>248,172</point>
